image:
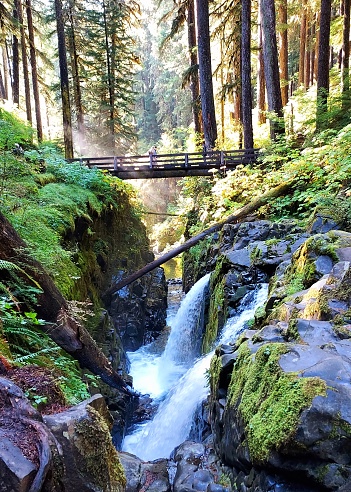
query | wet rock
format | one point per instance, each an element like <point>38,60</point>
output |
<point>322,224</point>
<point>196,469</point>
<point>139,311</point>
<point>145,476</point>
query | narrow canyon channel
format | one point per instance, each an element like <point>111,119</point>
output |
<point>175,377</point>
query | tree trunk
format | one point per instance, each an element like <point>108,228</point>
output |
<point>271,68</point>
<point>205,70</point>
<point>15,59</point>
<point>313,50</point>
<point>246,94</point>
<point>323,64</point>
<point>66,106</point>
<point>24,63</point>
<point>2,87</point>
<point>77,91</point>
<point>6,70</point>
<point>317,22</point>
<point>33,60</point>
<point>261,84</point>
<point>62,327</point>
<point>307,77</point>
<point>111,122</point>
<point>283,50</point>
<point>194,81</point>
<point>303,31</point>
<point>345,57</point>
<point>237,216</point>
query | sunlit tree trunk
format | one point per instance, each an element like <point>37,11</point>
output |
<point>77,91</point>
<point>25,64</point>
<point>246,100</point>
<point>194,81</point>
<point>33,61</point>
<point>5,63</point>
<point>303,31</point>
<point>345,56</point>
<point>109,80</point>
<point>283,49</point>
<point>307,77</point>
<point>261,84</point>
<point>15,59</point>
<point>271,68</point>
<point>205,71</point>
<point>323,63</point>
<point>315,71</point>
<point>66,106</point>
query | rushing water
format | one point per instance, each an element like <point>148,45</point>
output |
<point>173,374</point>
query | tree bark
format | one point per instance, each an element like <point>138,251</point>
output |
<point>15,59</point>
<point>246,99</point>
<point>237,216</point>
<point>323,63</point>
<point>66,106</point>
<point>6,70</point>
<point>345,57</point>
<point>77,91</point>
<point>110,79</point>
<point>24,63</point>
<point>261,85</point>
<point>61,326</point>
<point>194,81</point>
<point>283,50</point>
<point>33,61</point>
<point>271,67</point>
<point>303,31</point>
<point>205,70</point>
<point>307,78</point>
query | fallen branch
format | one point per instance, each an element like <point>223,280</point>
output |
<point>238,215</point>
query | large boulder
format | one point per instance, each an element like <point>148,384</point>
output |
<point>139,311</point>
<point>62,452</point>
<point>280,395</point>
<point>91,462</point>
<point>145,476</point>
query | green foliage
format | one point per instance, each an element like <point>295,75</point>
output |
<point>269,400</point>
<point>12,131</point>
<point>29,345</point>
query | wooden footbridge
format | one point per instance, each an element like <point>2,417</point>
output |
<point>171,165</point>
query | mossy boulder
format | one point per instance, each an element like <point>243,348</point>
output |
<point>91,462</point>
<point>280,394</point>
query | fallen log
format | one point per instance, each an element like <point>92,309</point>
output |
<point>243,212</point>
<point>62,327</point>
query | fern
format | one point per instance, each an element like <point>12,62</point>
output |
<point>9,266</point>
<point>36,357</point>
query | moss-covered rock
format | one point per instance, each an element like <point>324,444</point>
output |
<point>91,461</point>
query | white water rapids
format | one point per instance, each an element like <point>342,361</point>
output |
<point>178,376</point>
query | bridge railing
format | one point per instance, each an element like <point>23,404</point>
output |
<point>163,165</point>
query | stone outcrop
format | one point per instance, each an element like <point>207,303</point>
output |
<point>145,476</point>
<point>139,310</point>
<point>280,395</point>
<point>66,452</point>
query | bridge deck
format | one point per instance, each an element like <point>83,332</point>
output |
<point>171,165</point>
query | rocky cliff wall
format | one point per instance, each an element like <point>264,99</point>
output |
<point>280,395</point>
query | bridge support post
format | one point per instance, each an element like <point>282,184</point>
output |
<point>186,160</point>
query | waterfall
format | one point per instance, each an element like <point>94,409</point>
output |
<point>172,423</point>
<point>154,373</point>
